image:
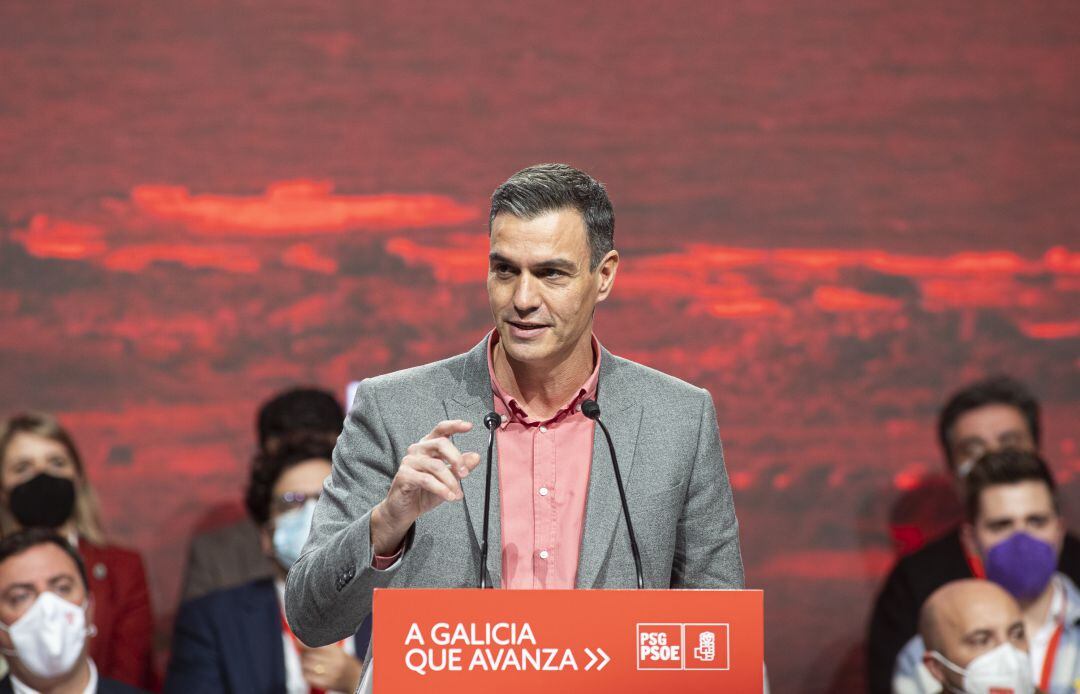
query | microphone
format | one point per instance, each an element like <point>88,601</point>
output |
<point>492,420</point>
<point>591,409</point>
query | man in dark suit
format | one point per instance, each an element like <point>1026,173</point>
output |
<point>236,639</point>
<point>988,415</point>
<point>47,618</point>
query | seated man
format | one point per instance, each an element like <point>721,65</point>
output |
<point>1015,529</point>
<point>975,641</point>
<point>986,416</point>
<point>230,556</point>
<point>237,639</point>
<point>47,618</point>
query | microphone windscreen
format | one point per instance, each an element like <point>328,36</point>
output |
<point>492,420</point>
<point>590,409</point>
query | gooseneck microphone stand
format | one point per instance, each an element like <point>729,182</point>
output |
<point>491,421</point>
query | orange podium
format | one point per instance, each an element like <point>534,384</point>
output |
<point>564,641</point>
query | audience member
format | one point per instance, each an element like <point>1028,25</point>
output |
<point>43,484</point>
<point>989,415</point>
<point>975,639</point>
<point>47,618</point>
<point>231,555</point>
<point>1015,527</point>
<point>237,639</point>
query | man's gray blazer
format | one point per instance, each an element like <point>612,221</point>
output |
<point>672,465</point>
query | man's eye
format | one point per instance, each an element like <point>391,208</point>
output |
<point>1013,438</point>
<point>551,274</point>
<point>973,450</point>
<point>17,599</point>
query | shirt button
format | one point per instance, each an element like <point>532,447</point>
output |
<point>543,554</point>
<point>543,430</point>
<point>543,491</point>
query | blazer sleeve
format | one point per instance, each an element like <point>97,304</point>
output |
<point>194,665</point>
<point>329,589</point>
<point>707,553</point>
<point>892,623</point>
<point>133,631</point>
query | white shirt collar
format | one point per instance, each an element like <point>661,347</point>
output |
<point>1039,642</point>
<point>19,687</point>
<point>1057,608</point>
<point>279,586</point>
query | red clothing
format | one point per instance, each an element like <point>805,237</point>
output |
<point>123,644</point>
<point>543,482</point>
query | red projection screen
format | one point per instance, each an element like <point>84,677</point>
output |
<point>830,214</point>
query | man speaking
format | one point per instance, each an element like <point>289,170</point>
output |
<point>404,506</point>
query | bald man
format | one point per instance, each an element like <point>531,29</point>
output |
<point>973,631</point>
<point>1015,529</point>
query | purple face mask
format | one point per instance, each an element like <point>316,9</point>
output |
<point>1022,565</point>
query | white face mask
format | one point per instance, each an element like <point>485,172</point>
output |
<point>1004,669</point>
<point>50,636</point>
<point>290,533</point>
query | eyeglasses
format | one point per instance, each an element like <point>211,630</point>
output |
<point>292,500</point>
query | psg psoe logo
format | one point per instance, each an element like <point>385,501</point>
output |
<point>683,646</point>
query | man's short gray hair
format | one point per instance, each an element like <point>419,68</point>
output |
<point>547,187</point>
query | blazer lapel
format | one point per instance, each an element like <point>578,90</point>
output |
<point>472,401</point>
<point>603,510</point>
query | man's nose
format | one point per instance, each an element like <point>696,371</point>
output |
<point>526,295</point>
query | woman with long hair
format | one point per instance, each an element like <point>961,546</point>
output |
<point>43,483</point>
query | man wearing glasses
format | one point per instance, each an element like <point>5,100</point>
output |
<point>237,639</point>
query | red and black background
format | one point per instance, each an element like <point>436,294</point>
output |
<point>830,213</point>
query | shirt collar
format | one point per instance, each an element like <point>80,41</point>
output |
<point>507,406</point>
<point>279,588</point>
<point>20,687</point>
<point>1072,598</point>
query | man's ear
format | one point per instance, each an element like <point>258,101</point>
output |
<point>606,271</point>
<point>967,540</point>
<point>90,611</point>
<point>934,666</point>
<point>266,540</point>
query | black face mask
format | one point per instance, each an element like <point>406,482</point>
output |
<point>45,501</point>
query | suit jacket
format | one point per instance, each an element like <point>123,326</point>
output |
<point>122,649</point>
<point>230,641</point>
<point>672,466</point>
<point>105,686</point>
<point>224,558</point>
<point>895,619</point>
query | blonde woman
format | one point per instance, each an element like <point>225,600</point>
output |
<point>43,484</point>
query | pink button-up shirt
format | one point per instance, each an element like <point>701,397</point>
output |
<point>543,482</point>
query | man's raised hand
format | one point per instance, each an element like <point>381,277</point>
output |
<point>428,475</point>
